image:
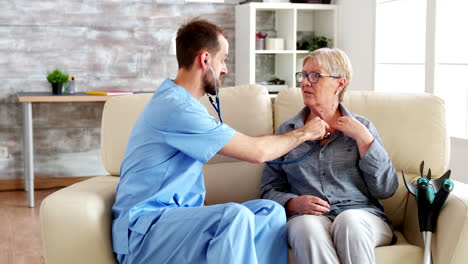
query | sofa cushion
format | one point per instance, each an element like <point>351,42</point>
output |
<point>232,182</point>
<point>402,252</point>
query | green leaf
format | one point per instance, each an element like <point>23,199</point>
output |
<point>57,76</point>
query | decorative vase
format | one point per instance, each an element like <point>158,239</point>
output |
<point>57,88</point>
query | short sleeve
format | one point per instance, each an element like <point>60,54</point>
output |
<point>197,134</point>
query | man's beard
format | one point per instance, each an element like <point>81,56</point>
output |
<point>208,83</point>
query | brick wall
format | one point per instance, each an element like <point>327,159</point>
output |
<point>105,44</point>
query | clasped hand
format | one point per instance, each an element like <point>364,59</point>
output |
<point>351,127</point>
<point>307,204</point>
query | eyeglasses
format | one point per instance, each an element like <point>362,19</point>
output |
<point>313,77</point>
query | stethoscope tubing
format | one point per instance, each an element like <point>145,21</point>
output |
<point>314,147</point>
<point>217,107</point>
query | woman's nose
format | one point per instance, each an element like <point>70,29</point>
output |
<point>306,82</point>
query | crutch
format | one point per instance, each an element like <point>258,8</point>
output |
<point>430,197</point>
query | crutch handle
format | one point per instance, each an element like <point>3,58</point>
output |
<point>437,205</point>
<point>424,198</point>
<point>427,189</point>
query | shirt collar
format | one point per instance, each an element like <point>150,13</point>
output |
<point>298,120</point>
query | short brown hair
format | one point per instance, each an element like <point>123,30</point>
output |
<point>196,35</point>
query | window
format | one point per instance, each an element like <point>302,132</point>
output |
<point>421,47</point>
<point>400,45</point>
<point>452,63</point>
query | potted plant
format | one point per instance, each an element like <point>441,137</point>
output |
<point>318,42</point>
<point>57,78</point>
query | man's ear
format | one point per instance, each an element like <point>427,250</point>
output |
<point>203,58</point>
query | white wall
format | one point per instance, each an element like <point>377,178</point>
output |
<point>356,36</point>
<point>459,159</point>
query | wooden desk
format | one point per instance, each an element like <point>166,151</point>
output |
<point>27,98</point>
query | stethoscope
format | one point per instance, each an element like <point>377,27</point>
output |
<point>217,107</point>
<point>314,147</point>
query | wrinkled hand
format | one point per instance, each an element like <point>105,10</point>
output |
<point>355,130</point>
<point>316,128</point>
<point>351,127</point>
<point>307,204</point>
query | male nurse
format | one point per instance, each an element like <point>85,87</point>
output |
<point>158,215</point>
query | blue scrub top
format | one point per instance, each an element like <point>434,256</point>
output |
<point>162,167</point>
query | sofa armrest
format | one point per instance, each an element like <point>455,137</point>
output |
<point>76,222</point>
<point>450,242</point>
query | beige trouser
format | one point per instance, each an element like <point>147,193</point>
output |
<point>350,238</point>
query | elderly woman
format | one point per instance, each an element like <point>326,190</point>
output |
<point>332,196</point>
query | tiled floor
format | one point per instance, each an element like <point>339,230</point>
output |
<point>20,234</point>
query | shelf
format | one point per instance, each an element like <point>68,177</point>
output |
<point>281,51</point>
<point>288,21</point>
<point>279,6</point>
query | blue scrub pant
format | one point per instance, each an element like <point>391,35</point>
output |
<point>249,233</point>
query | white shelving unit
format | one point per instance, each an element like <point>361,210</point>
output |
<point>289,20</point>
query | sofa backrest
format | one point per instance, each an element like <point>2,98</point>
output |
<point>412,128</point>
<point>118,118</point>
<point>245,108</point>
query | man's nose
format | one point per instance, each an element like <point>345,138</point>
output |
<point>224,70</point>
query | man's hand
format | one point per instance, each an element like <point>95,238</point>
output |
<point>270,147</point>
<point>315,128</point>
<point>307,204</point>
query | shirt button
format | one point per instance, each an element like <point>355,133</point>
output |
<point>323,173</point>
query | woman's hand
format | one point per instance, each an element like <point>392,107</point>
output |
<point>307,204</point>
<point>351,127</point>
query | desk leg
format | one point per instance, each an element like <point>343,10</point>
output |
<point>28,152</point>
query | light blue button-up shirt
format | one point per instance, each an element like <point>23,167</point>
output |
<point>334,172</point>
<point>162,167</point>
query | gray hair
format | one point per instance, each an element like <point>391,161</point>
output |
<point>335,62</point>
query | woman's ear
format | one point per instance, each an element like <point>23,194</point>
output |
<point>342,83</point>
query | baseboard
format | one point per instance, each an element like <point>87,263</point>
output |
<point>40,183</point>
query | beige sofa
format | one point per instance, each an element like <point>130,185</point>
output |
<point>76,221</point>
